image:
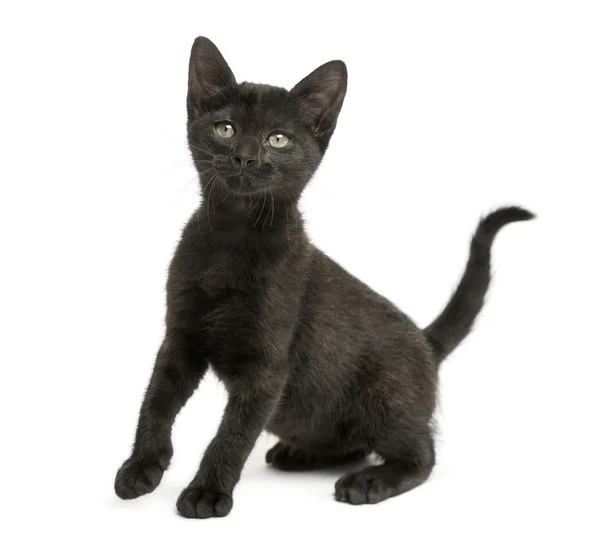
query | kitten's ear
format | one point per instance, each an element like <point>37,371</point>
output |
<point>321,95</point>
<point>208,73</point>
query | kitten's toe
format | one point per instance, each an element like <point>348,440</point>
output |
<point>198,502</point>
<point>358,488</point>
<point>136,478</point>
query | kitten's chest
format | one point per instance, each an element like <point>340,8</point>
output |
<point>232,268</point>
<point>238,295</point>
<point>231,295</point>
<point>244,331</point>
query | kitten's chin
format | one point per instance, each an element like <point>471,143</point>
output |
<point>242,185</point>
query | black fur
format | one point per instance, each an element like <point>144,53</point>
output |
<point>306,350</point>
<point>456,321</point>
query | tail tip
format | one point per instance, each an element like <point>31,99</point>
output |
<point>512,213</point>
<point>518,214</point>
<point>502,216</point>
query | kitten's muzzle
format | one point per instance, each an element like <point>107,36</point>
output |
<point>241,184</point>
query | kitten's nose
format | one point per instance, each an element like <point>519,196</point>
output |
<point>246,152</point>
<point>243,160</point>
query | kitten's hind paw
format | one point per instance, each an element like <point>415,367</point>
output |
<point>137,477</point>
<point>284,457</point>
<point>358,488</point>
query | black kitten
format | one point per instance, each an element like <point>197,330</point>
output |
<point>305,350</point>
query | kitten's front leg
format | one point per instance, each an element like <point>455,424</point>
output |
<point>248,409</point>
<point>177,371</point>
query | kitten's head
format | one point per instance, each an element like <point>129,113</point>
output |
<point>247,139</point>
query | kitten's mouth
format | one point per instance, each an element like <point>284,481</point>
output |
<point>241,183</point>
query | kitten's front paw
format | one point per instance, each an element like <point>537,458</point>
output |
<point>198,502</point>
<point>138,477</point>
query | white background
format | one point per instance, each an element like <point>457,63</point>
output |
<point>453,108</point>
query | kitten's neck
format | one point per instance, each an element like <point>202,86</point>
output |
<point>261,217</point>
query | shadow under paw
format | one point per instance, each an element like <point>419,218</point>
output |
<point>198,502</point>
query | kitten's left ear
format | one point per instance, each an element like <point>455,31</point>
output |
<point>321,95</point>
<point>208,73</point>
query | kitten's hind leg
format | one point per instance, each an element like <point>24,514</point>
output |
<point>401,472</point>
<point>285,457</point>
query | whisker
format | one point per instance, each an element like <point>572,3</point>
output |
<point>253,205</point>
<point>199,231</point>
<point>204,147</point>
<point>291,101</point>
<point>224,97</point>
<point>287,221</point>
<point>289,197</point>
<point>212,182</point>
<point>204,150</point>
<point>181,191</point>
<point>267,216</point>
<point>262,209</point>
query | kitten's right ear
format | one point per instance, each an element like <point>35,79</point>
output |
<point>320,96</point>
<point>207,74</point>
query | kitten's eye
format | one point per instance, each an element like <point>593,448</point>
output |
<point>224,129</point>
<point>278,140</point>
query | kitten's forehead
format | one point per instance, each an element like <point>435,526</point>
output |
<point>258,105</point>
<point>262,96</point>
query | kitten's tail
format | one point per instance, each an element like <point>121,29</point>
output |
<point>457,319</point>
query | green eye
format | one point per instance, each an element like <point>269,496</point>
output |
<point>278,140</point>
<point>224,129</point>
